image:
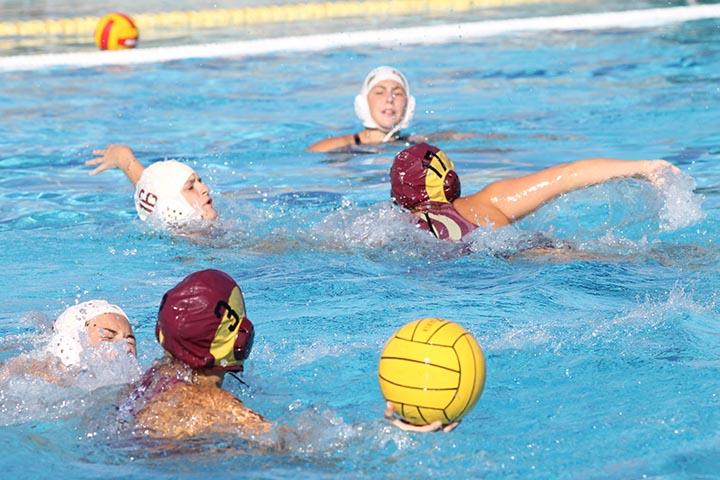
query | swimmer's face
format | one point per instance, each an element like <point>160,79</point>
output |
<point>387,101</point>
<point>198,195</point>
<point>111,327</point>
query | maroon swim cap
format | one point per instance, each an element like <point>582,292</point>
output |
<point>423,173</point>
<point>202,322</point>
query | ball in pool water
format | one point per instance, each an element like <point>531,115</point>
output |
<point>432,369</point>
<point>116,31</point>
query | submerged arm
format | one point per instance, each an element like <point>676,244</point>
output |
<point>117,156</point>
<point>518,197</point>
<point>46,369</point>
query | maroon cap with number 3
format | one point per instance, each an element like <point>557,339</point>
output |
<point>202,322</point>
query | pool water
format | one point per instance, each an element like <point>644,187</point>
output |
<point>602,357</point>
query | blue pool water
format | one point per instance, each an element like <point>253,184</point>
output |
<point>601,362</point>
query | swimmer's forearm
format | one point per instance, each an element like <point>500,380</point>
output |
<point>330,144</point>
<point>43,369</point>
<point>125,159</point>
<point>593,171</point>
<point>133,169</point>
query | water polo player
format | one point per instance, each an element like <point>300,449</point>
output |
<point>168,194</point>
<point>384,106</point>
<point>205,333</point>
<point>77,333</point>
<point>424,181</point>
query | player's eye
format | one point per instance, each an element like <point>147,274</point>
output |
<point>107,334</point>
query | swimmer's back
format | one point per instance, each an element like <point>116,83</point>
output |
<point>187,410</point>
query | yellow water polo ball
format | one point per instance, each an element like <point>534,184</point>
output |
<point>116,31</point>
<point>432,369</point>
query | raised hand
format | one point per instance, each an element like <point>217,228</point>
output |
<point>116,156</point>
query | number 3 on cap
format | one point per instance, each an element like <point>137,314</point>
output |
<point>232,314</point>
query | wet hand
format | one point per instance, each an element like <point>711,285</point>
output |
<point>435,426</point>
<point>656,171</point>
<point>113,156</point>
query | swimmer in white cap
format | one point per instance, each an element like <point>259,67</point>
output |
<point>168,194</point>
<point>384,106</point>
<point>76,333</point>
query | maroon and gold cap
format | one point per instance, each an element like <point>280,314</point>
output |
<point>202,322</point>
<point>423,173</point>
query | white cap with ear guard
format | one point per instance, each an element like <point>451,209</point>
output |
<point>158,195</point>
<point>362,107</point>
<point>69,337</point>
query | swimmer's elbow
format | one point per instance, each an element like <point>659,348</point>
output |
<point>495,219</point>
<point>501,221</point>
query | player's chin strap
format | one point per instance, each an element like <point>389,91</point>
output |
<point>390,134</point>
<point>236,377</point>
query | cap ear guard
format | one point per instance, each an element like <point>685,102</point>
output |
<point>409,113</point>
<point>244,340</point>
<point>452,186</point>
<point>362,110</point>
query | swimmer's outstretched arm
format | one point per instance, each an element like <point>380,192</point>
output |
<point>332,143</point>
<point>518,197</point>
<point>117,156</point>
<point>44,369</point>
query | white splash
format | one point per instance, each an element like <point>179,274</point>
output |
<point>320,432</point>
<point>520,338</point>
<point>378,226</point>
<point>320,349</point>
<point>681,206</point>
<point>654,312</point>
<point>59,392</point>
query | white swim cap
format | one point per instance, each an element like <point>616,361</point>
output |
<point>158,195</point>
<point>69,337</point>
<point>362,107</point>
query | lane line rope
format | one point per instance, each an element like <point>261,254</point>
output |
<point>433,34</point>
<point>84,27</point>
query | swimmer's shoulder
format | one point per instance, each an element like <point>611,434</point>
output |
<point>333,143</point>
<point>476,209</point>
